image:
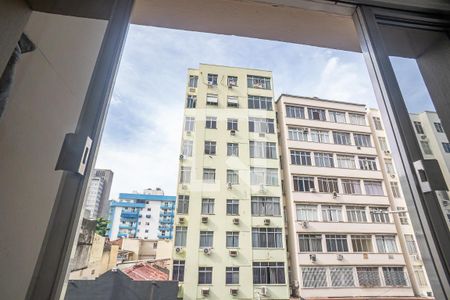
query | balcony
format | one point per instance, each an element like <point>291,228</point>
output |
<point>164,236</point>
<point>167,206</point>
<point>165,228</point>
<point>167,214</point>
<point>169,221</point>
<point>129,215</point>
<point>126,226</point>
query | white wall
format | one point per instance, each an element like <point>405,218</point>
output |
<point>44,105</point>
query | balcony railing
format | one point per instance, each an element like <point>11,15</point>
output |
<point>129,215</point>
<point>168,221</point>
<point>167,214</point>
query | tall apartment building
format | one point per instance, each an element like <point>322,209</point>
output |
<point>97,198</point>
<point>145,216</point>
<point>434,145</point>
<point>229,229</point>
<point>348,230</point>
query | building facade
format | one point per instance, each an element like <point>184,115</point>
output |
<point>434,145</point>
<point>97,198</point>
<point>148,215</point>
<point>229,227</point>
<point>348,229</point>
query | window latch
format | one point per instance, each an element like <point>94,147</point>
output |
<point>74,153</point>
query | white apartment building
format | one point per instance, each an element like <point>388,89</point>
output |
<point>434,145</point>
<point>97,197</point>
<point>348,232</point>
<point>229,238</point>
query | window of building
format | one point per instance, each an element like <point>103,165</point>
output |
<point>267,238</point>
<point>180,236</point>
<point>232,101</point>
<point>258,82</point>
<point>389,166</point>
<point>356,214</point>
<point>357,119</point>
<point>420,276</point>
<point>320,136</point>
<point>183,204</point>
<point>185,174</point>
<point>362,243</point>
<point>205,275</point>
<point>403,216</point>
<point>310,242</point>
<point>314,277</point>
<point>191,101</point>
<point>212,99</point>
<point>394,276</point>
<point>426,147</point>
<point>368,276</point>
<point>193,81</point>
<point>395,189</point>
<point>337,116</point>
<point>418,127</point>
<point>302,158</point>
<point>386,243</point>
<point>206,239</point>
<point>351,186</point>
<point>212,79</point>
<point>336,242</point>
<point>446,147</point>
<point>438,127</point>
<point>328,185</point>
<point>379,214</point>
<point>268,273</point>
<point>297,112</point>
<point>232,81</point>
<point>373,187</point>
<point>189,124</point>
<point>232,239</point>
<point>362,140</point>
<point>303,183</point>
<point>341,138</point>
<point>232,207</point>
<point>306,212</point>
<point>232,177</point>
<point>259,102</point>
<point>331,213</point>
<point>342,276</point>
<point>377,123</point>
<point>210,148</point>
<point>232,149</point>
<point>346,161</point>
<point>265,206</point>
<point>316,114</point>
<point>411,244</point>
<point>297,134</point>
<point>261,125</point>
<point>232,275</point>
<point>178,270</point>
<point>209,175</point>
<point>383,143</point>
<point>187,148</point>
<point>367,163</point>
<point>323,159</point>
<point>263,176</point>
<point>207,206</point>
<point>211,123</point>
<point>263,150</point>
<point>232,124</point>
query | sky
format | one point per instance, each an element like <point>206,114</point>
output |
<point>142,136</point>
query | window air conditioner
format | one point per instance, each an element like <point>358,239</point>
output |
<point>236,221</point>
<point>188,133</point>
<point>233,253</point>
<point>229,185</point>
<point>181,220</point>
<point>266,221</point>
<point>205,291</point>
<point>232,132</point>
<point>204,219</point>
<point>264,291</point>
<point>313,257</point>
<point>305,224</point>
<point>340,257</point>
<point>234,291</point>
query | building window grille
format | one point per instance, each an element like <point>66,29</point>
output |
<point>403,216</point>
<point>342,276</point>
<point>368,276</point>
<point>411,244</point>
<point>314,277</point>
<point>395,189</point>
<point>394,276</point>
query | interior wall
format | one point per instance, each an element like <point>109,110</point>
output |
<point>44,105</point>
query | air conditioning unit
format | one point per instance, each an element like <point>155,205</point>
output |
<point>313,257</point>
<point>445,202</point>
<point>387,152</point>
<point>205,292</point>
<point>335,194</point>
<point>184,187</point>
<point>232,132</point>
<point>229,185</point>
<point>393,175</point>
<point>181,156</point>
<point>207,250</point>
<point>358,147</point>
<point>312,190</point>
<point>423,137</point>
<point>233,253</point>
<point>188,133</point>
<point>236,221</point>
<point>391,256</point>
<point>340,257</point>
<point>182,220</point>
<point>205,220</point>
<point>262,134</point>
<point>211,83</point>
<point>192,90</point>
<point>305,224</point>
<point>365,255</point>
<point>234,291</point>
<point>264,291</point>
<point>266,221</point>
<point>179,250</point>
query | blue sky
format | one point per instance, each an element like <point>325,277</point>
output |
<point>141,140</point>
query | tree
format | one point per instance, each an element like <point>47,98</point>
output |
<point>101,226</point>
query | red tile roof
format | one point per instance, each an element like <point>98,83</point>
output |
<point>147,271</point>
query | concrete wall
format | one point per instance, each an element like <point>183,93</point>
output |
<point>44,105</point>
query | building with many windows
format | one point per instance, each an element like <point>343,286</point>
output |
<point>97,197</point>
<point>348,229</point>
<point>145,216</point>
<point>229,228</point>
